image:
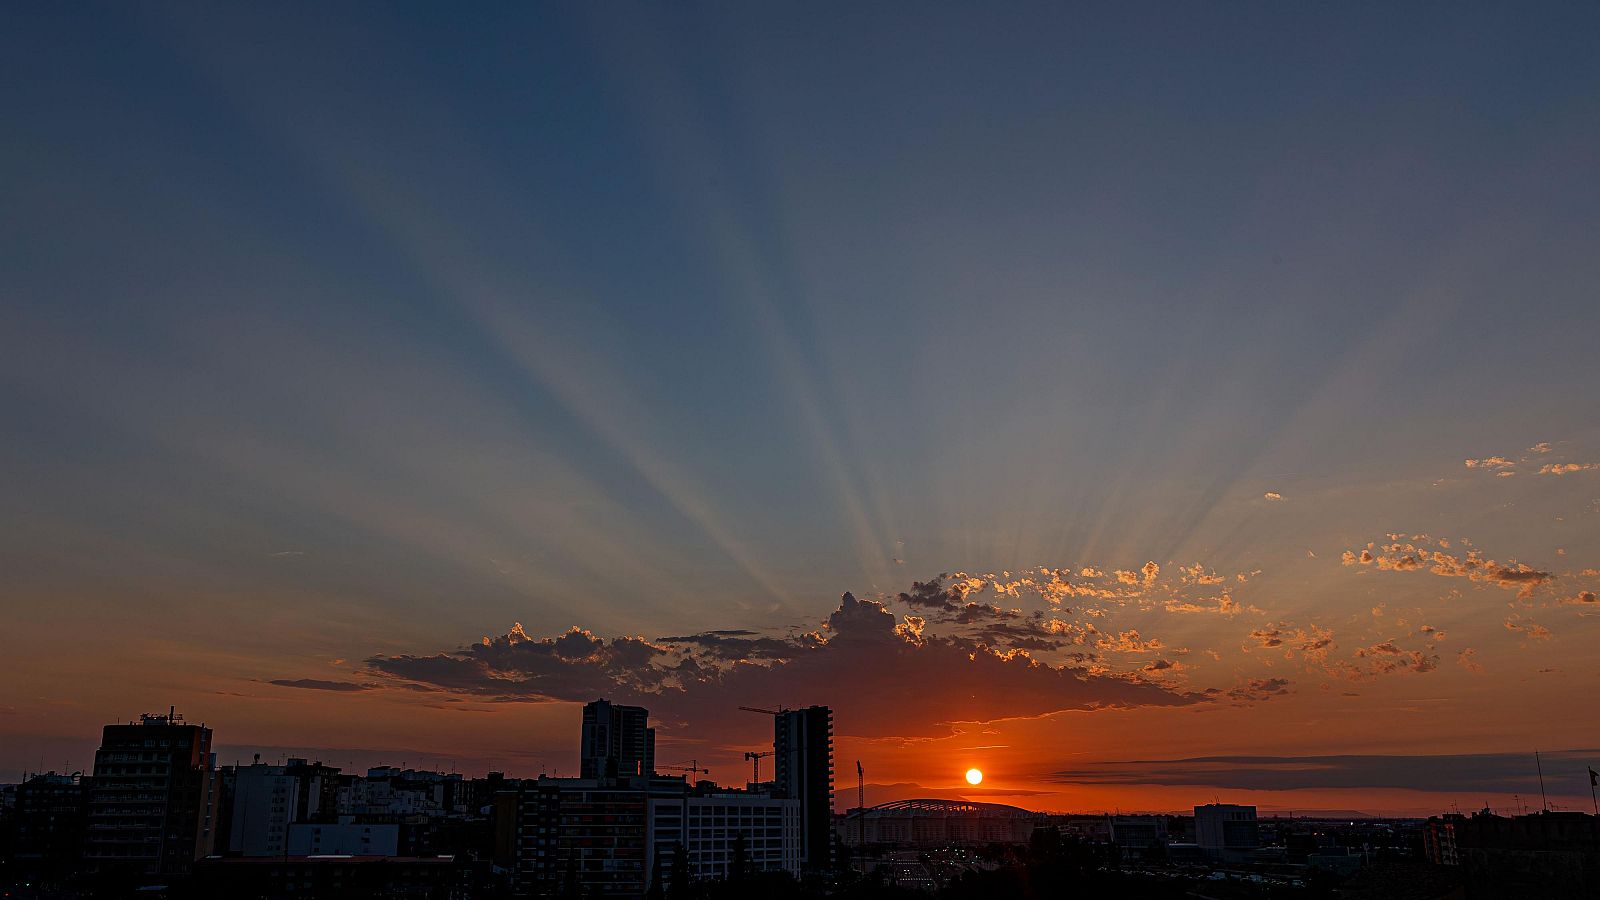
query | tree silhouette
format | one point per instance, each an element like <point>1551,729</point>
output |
<point>680,872</point>
<point>657,890</point>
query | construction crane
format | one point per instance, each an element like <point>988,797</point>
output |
<point>766,712</point>
<point>861,789</point>
<point>755,764</point>
<point>693,768</point>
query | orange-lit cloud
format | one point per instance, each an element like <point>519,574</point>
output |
<point>1415,555</point>
<point>862,644</point>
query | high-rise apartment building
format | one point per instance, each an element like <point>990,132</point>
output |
<point>617,741</point>
<point>802,744</point>
<point>151,798</point>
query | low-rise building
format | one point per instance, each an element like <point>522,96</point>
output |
<point>1226,831</point>
<point>47,827</point>
<point>343,838</point>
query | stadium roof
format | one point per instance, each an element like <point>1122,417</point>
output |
<point>936,807</point>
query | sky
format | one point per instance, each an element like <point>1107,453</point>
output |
<point>1144,403</point>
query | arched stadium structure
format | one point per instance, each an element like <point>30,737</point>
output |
<point>933,822</point>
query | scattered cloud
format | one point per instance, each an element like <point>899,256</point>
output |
<point>1527,628</point>
<point>1477,774</point>
<point>1129,642</point>
<point>1272,495</point>
<point>319,684</point>
<point>1254,690</point>
<point>1416,555</point>
<point>1386,657</point>
<point>1505,467</point>
<point>1567,468</point>
<point>1313,643</point>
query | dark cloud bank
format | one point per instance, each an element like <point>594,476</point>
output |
<point>884,676</point>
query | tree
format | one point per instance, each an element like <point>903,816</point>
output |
<point>680,872</point>
<point>657,891</point>
<point>571,887</point>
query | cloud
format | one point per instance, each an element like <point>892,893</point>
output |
<point>1385,657</point>
<point>1272,495</point>
<point>318,684</point>
<point>1528,628</point>
<point>1416,555</point>
<point>1483,773</point>
<point>1199,574</point>
<point>883,676</point>
<point>1313,643</point>
<point>1254,690</point>
<point>1580,598</point>
<point>1468,659</point>
<point>1505,467</point>
<point>734,645</point>
<point>1567,468</point>
<point>1222,604</point>
<point>1129,642</point>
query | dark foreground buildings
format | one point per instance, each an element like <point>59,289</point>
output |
<point>1546,854</point>
<point>47,828</point>
<point>621,828</point>
<point>159,818</point>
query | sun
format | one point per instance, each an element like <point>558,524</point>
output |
<point>974,776</point>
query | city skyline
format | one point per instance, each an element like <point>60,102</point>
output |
<point>1506,783</point>
<point>1144,405</point>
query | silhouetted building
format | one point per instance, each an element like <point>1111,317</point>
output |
<point>582,837</point>
<point>802,744</point>
<point>316,788</point>
<point>1136,834</point>
<point>47,824</point>
<point>336,878</point>
<point>715,826</point>
<point>264,801</point>
<point>343,839</point>
<point>1547,855</point>
<point>1439,839</point>
<point>151,799</point>
<point>1226,831</point>
<point>938,823</point>
<point>617,741</point>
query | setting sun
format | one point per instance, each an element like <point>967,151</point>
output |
<point>974,776</point>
